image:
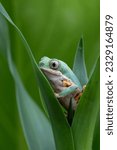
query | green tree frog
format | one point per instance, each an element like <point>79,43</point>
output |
<point>64,82</point>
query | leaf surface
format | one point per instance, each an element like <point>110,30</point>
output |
<point>34,122</point>
<point>85,116</point>
<point>79,67</point>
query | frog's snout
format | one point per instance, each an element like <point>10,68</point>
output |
<point>44,58</point>
<point>41,64</point>
<point>43,61</point>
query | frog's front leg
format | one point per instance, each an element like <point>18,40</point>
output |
<point>67,91</point>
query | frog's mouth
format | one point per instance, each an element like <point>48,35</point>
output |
<point>50,72</point>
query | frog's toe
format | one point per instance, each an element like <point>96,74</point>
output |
<point>84,86</point>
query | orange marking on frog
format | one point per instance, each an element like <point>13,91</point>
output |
<point>66,83</point>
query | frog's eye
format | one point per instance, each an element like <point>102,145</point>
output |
<point>54,64</point>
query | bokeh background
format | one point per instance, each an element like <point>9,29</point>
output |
<point>52,28</point>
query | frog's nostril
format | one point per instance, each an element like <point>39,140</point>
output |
<point>41,64</point>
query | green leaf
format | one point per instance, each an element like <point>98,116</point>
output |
<point>9,120</point>
<point>61,130</point>
<point>79,67</point>
<point>3,34</point>
<point>96,136</point>
<point>34,122</point>
<point>86,114</point>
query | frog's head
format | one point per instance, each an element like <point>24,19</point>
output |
<point>56,70</point>
<point>53,66</point>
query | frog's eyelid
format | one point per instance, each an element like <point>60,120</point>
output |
<point>54,61</point>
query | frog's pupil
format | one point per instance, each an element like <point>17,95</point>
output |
<point>54,64</point>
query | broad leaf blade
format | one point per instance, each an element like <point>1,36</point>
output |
<point>96,136</point>
<point>79,67</point>
<point>3,33</point>
<point>9,121</point>
<point>61,129</point>
<point>34,122</point>
<point>86,113</point>
<point>36,126</point>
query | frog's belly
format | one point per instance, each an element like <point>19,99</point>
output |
<point>61,85</point>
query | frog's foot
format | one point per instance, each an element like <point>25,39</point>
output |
<point>57,95</point>
<point>78,96</point>
<point>84,86</point>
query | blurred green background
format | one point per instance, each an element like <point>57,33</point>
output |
<point>52,28</point>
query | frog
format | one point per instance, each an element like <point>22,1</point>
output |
<point>65,84</point>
